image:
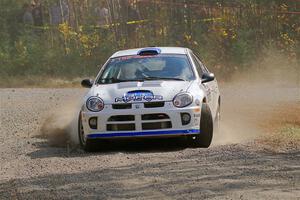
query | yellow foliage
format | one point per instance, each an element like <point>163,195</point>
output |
<point>66,30</point>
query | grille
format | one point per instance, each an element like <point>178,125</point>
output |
<point>158,116</point>
<point>146,105</point>
<point>152,121</point>
<point>154,104</point>
<point>156,125</point>
<point>121,118</point>
<point>122,106</point>
<point>121,123</point>
<point>120,127</point>
<point>156,121</point>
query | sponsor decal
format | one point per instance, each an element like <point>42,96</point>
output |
<point>138,96</point>
<point>133,57</point>
<point>197,115</point>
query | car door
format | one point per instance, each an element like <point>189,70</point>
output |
<point>211,87</point>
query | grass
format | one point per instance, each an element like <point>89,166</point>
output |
<point>287,138</point>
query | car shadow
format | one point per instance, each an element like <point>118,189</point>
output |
<point>141,145</point>
<point>45,150</point>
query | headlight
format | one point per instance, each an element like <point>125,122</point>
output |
<point>95,104</point>
<point>182,100</point>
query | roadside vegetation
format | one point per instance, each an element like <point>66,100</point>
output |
<point>71,38</point>
<point>286,139</point>
<point>282,130</point>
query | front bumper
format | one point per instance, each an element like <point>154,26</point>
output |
<point>136,123</point>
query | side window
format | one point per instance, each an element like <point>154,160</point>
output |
<point>198,65</point>
<point>204,69</point>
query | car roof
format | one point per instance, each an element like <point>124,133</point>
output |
<point>164,50</point>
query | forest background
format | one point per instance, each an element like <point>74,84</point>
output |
<point>70,39</point>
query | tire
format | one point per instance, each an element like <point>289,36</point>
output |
<point>217,120</point>
<point>85,144</point>
<point>204,139</point>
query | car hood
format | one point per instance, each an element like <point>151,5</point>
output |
<point>167,89</point>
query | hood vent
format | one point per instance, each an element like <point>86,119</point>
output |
<point>151,51</point>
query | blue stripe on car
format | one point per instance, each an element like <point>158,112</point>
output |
<point>143,133</point>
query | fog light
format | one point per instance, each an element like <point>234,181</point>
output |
<point>185,118</point>
<point>93,122</point>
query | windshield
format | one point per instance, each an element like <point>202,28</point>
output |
<point>143,68</point>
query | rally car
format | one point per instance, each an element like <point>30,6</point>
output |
<point>151,92</point>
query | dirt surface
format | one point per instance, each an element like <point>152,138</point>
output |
<point>235,167</point>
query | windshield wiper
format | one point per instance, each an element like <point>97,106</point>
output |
<point>131,80</point>
<point>116,80</point>
<point>163,78</point>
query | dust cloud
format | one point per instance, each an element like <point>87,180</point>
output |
<point>250,98</point>
<point>60,127</point>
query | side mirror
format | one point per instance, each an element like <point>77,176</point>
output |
<point>87,83</point>
<point>207,77</point>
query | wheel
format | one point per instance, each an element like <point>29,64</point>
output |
<point>85,144</point>
<point>204,139</point>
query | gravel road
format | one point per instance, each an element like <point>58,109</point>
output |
<point>233,168</point>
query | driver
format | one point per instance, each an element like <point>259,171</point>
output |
<point>128,71</point>
<point>173,68</point>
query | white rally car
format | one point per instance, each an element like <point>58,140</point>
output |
<point>151,92</point>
